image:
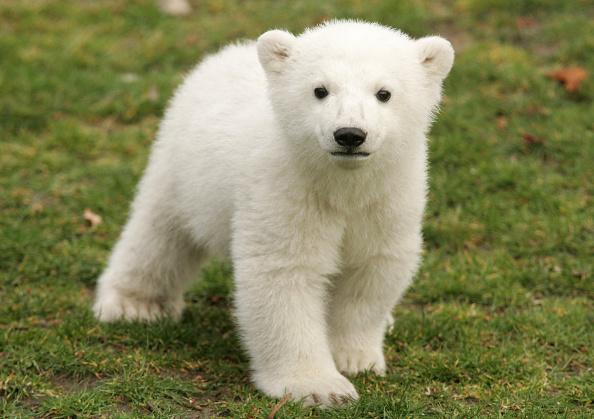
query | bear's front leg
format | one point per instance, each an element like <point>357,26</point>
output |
<point>282,319</point>
<point>360,313</point>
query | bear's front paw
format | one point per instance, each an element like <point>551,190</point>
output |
<point>323,392</point>
<point>114,307</point>
<point>353,361</point>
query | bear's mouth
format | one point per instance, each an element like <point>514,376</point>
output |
<point>350,154</point>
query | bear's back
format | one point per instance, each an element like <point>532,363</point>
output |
<point>217,119</point>
<point>220,111</point>
<point>221,88</point>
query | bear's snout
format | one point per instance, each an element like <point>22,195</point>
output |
<point>349,137</point>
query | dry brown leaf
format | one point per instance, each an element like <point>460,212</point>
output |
<point>93,219</point>
<point>525,22</point>
<point>579,274</point>
<point>530,141</point>
<point>501,122</point>
<point>570,77</point>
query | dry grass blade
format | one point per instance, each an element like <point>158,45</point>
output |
<point>279,405</point>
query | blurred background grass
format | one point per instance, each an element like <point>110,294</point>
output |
<point>500,318</point>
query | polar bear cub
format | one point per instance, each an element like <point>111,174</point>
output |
<point>304,159</point>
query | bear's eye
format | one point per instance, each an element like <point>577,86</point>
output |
<point>321,92</point>
<point>383,95</point>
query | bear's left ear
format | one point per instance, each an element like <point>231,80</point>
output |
<point>436,55</point>
<point>274,47</point>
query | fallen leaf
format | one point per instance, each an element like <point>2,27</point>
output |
<point>93,219</point>
<point>525,22</point>
<point>579,274</point>
<point>36,208</point>
<point>531,141</point>
<point>502,122</point>
<point>570,77</point>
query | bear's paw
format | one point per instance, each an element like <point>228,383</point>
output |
<point>115,307</point>
<point>354,361</point>
<point>324,392</point>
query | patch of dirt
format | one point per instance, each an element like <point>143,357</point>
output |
<point>70,384</point>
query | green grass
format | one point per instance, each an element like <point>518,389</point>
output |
<point>500,321</point>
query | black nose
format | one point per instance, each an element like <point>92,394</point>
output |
<point>349,137</point>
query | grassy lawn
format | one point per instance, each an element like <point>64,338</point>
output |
<point>500,321</point>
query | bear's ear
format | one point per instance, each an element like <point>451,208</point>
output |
<point>274,47</point>
<point>436,55</point>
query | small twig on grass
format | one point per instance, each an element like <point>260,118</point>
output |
<point>151,407</point>
<point>279,405</point>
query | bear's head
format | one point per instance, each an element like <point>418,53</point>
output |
<point>346,91</point>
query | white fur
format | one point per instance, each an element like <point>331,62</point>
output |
<point>323,246</point>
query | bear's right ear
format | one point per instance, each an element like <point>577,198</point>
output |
<point>274,47</point>
<point>436,55</point>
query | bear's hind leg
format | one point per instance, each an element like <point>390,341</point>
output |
<point>148,271</point>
